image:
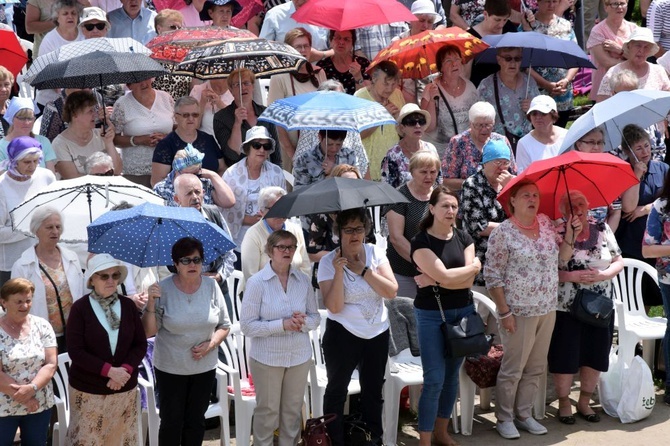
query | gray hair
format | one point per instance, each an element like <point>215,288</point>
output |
<point>268,194</point>
<point>585,135</point>
<point>482,109</point>
<point>98,159</point>
<point>42,213</point>
<point>185,101</point>
<point>626,79</point>
<point>567,198</point>
<point>331,85</point>
<point>60,4</point>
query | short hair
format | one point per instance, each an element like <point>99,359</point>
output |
<point>443,51</point>
<point>185,101</point>
<point>166,15</point>
<point>76,102</point>
<point>185,246</point>
<point>40,215</point>
<point>60,4</point>
<point>331,35</point>
<point>482,109</point>
<point>624,79</point>
<point>240,73</point>
<point>335,135</point>
<point>296,33</point>
<point>568,198</point>
<point>278,236</point>
<point>552,113</point>
<point>5,74</point>
<point>341,169</point>
<point>390,69</point>
<point>424,158</point>
<point>98,159</point>
<point>514,190</point>
<point>585,135</point>
<point>500,8</point>
<point>349,215</point>
<point>633,134</point>
<point>507,49</point>
<point>16,286</point>
<point>331,85</point>
<point>428,220</point>
<point>23,113</point>
<point>268,194</point>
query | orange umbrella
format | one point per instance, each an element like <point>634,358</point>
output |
<point>415,55</point>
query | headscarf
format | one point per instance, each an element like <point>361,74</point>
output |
<point>107,303</point>
<point>18,149</point>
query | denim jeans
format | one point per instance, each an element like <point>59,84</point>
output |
<point>34,428</point>
<point>665,293</point>
<point>440,373</point>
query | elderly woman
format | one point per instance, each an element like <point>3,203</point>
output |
<point>464,153</point>
<point>403,219</point>
<point>93,23</point>
<point>577,347</point>
<point>354,280</point>
<point>448,98</point>
<point>23,178</point>
<point>520,274</point>
<point>81,138</point>
<point>187,114</point>
<point>142,119</point>
<point>54,269</point>
<point>220,12</point>
<point>509,90</point>
<point>212,95</point>
<point>446,257</point>
<point>235,121</point>
<point>106,342</point>
<point>6,84</point>
<point>384,90</point>
<point>188,316</point>
<point>29,360</point>
<point>278,311</point>
<point>318,163</point>
<point>99,164</point>
<point>545,140</point>
<point>344,66</point>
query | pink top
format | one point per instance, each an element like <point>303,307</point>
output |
<point>599,34</point>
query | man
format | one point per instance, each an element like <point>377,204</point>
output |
<point>278,22</point>
<point>370,40</point>
<point>658,17</point>
<point>132,20</point>
<point>316,164</point>
<point>94,23</point>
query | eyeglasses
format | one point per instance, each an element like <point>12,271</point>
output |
<point>411,121</point>
<point>593,143</point>
<point>267,146</point>
<point>188,115</point>
<point>618,5</point>
<point>302,47</point>
<point>109,173</point>
<point>98,26</point>
<point>482,125</point>
<point>25,118</point>
<point>286,248</point>
<point>501,163</point>
<point>509,59</point>
<point>105,277</point>
<point>189,260</point>
<point>246,84</point>
<point>357,230</point>
<point>174,27</point>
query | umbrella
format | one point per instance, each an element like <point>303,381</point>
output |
<point>601,177</point>
<point>333,195</point>
<point>11,53</point>
<point>249,9</point>
<point>144,235</point>
<point>639,107</point>
<point>342,15</point>
<point>415,55</point>
<point>326,110</point>
<point>82,47</point>
<point>81,200</point>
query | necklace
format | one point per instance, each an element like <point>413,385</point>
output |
<point>532,227</point>
<point>453,91</point>
<point>18,329</point>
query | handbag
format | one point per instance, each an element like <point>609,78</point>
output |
<point>357,432</point>
<point>592,308</point>
<point>315,433</point>
<point>483,369</point>
<point>465,337</point>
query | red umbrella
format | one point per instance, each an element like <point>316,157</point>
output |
<point>12,55</point>
<point>601,177</point>
<point>342,15</point>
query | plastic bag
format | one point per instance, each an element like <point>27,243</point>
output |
<point>638,396</point>
<point>609,385</point>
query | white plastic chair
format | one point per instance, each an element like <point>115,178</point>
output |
<point>235,286</point>
<point>403,370</point>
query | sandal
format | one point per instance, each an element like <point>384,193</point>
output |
<point>565,419</point>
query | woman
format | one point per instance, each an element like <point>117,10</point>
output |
<point>577,347</point>
<point>54,269</point>
<point>23,179</point>
<point>448,98</point>
<point>20,115</point>
<point>520,274</point>
<point>464,152</point>
<point>403,219</point>
<point>509,90</point>
<point>29,360</point>
<point>545,140</point>
<point>6,84</point>
<point>606,41</point>
<point>496,21</point>
<point>278,311</point>
<point>142,119</point>
<point>636,50</point>
<point>81,138</point>
<point>212,95</point>
<point>220,12</point>
<point>446,257</point>
<point>384,90</point>
<point>106,343</point>
<point>354,280</point>
<point>344,66</point>
<point>176,85</point>
<point>187,114</point>
<point>411,125</point>
<point>188,316</point>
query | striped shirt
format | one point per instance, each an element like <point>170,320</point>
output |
<point>658,20</point>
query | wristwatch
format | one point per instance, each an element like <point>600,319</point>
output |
<point>34,386</point>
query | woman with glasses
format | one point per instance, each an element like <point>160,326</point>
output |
<point>106,343</point>
<point>278,311</point>
<point>344,66</point>
<point>187,314</point>
<point>354,280</point>
<point>545,140</point>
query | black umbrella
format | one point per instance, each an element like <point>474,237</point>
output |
<point>333,195</point>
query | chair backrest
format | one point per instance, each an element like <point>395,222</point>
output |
<point>236,345</point>
<point>235,287</point>
<point>480,299</point>
<point>288,176</point>
<point>628,285</point>
<point>61,380</point>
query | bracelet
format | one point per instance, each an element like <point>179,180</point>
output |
<point>360,81</point>
<point>506,315</point>
<point>365,270</point>
<point>34,386</point>
<point>132,141</point>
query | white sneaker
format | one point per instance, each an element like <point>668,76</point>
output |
<point>507,430</point>
<point>531,425</point>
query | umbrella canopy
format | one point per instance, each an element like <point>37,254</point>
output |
<point>342,15</point>
<point>539,50</point>
<point>333,195</point>
<point>639,107</point>
<point>144,235</point>
<point>11,53</point>
<point>601,177</point>
<point>81,200</point>
<point>98,69</point>
<point>249,9</point>
<point>218,59</point>
<point>326,110</point>
<point>415,55</point>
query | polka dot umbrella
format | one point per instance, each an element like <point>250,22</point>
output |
<point>144,235</point>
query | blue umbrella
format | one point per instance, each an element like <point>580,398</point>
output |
<point>326,110</point>
<point>144,235</point>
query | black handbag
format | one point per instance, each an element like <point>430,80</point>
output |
<point>357,432</point>
<point>465,337</point>
<point>592,308</point>
<point>315,433</point>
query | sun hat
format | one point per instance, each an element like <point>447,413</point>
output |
<point>496,149</point>
<point>192,158</point>
<point>93,13</point>
<point>425,7</point>
<point>17,104</point>
<point>641,35</point>
<point>204,13</point>
<point>412,108</point>
<point>257,132</point>
<point>543,104</point>
<point>101,262</point>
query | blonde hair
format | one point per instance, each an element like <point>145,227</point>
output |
<point>167,14</point>
<point>424,158</point>
<point>240,73</point>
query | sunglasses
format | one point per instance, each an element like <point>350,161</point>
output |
<point>189,260</point>
<point>92,26</point>
<point>188,115</point>
<point>411,121</point>
<point>105,277</point>
<point>267,146</point>
<point>286,248</point>
<point>509,59</point>
<point>174,27</point>
<point>109,173</point>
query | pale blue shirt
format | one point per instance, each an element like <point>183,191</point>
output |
<point>100,314</point>
<point>141,28</point>
<point>278,22</point>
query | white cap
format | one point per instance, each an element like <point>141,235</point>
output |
<point>543,104</point>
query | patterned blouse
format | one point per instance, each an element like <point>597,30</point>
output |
<point>395,165</point>
<point>470,9</point>
<point>513,117</point>
<point>658,233</point>
<point>307,168</point>
<point>527,269</point>
<point>61,291</point>
<point>462,157</point>
<point>346,78</point>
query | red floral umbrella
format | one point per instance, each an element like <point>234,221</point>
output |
<point>12,55</point>
<point>342,15</point>
<point>249,9</point>
<point>415,55</point>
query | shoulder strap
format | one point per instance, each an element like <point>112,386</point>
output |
<point>453,118</point>
<point>60,305</point>
<point>497,95</point>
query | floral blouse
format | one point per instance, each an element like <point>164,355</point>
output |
<point>658,233</point>
<point>395,165</point>
<point>346,78</point>
<point>308,167</point>
<point>470,9</point>
<point>527,269</point>
<point>462,157</point>
<point>513,117</point>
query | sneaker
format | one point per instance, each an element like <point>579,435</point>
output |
<point>531,425</point>
<point>507,430</point>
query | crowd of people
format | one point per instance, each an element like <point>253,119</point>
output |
<point>459,137</point>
